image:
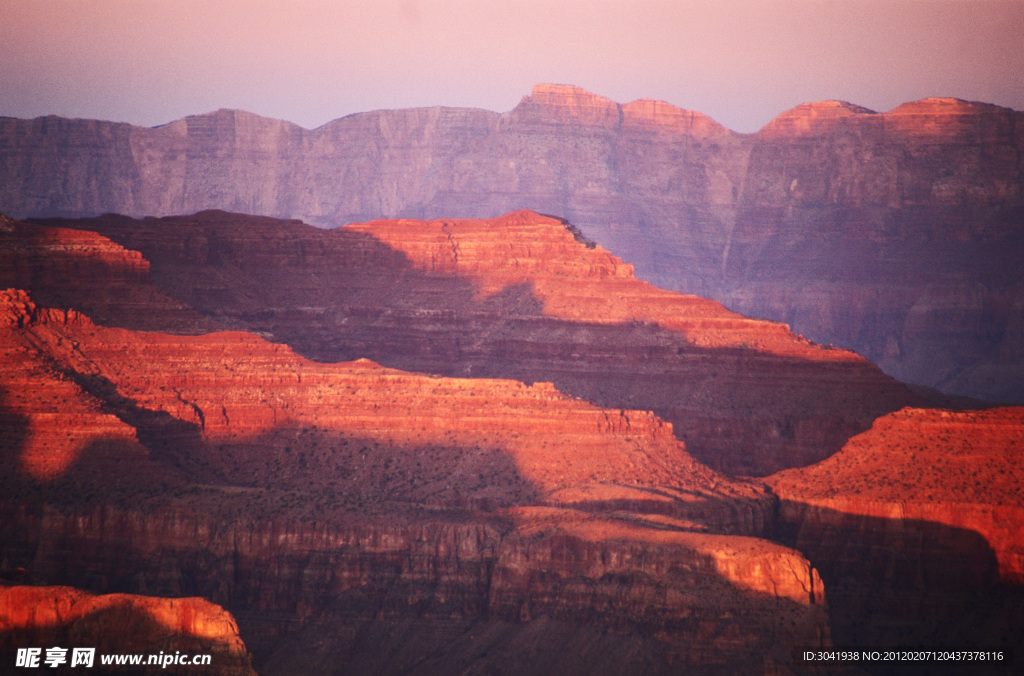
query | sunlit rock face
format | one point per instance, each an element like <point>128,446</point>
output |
<point>118,624</point>
<point>524,297</point>
<point>917,523</point>
<point>248,411</point>
<point>469,522</point>
<point>893,234</point>
<point>514,472</point>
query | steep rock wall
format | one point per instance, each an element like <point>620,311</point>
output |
<point>301,495</point>
<point>918,524</point>
<point>715,603</point>
<point>520,297</point>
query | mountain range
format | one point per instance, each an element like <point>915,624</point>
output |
<point>424,410</point>
<point>898,235</point>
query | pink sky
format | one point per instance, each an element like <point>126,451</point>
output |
<point>310,61</point>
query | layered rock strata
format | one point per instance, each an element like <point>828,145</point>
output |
<point>121,624</point>
<point>918,524</point>
<point>301,495</point>
<point>80,270</point>
<point>680,599</point>
<point>894,234</point>
<point>527,298</point>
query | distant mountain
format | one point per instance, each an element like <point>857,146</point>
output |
<point>899,235</point>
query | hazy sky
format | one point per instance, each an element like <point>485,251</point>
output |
<point>309,61</point>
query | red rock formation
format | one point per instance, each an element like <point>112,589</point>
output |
<point>77,269</point>
<point>917,523</point>
<point>290,490</point>
<point>958,469</point>
<point>867,230</point>
<point>48,419</point>
<point>297,493</point>
<point>253,404</point>
<point>520,297</point>
<point>822,117</point>
<point>115,624</point>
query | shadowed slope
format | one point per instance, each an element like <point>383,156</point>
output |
<point>918,528</point>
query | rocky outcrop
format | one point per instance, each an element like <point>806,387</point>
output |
<point>327,502</point>
<point>121,624</point>
<point>48,419</point>
<point>301,496</point>
<point>520,297</point>
<point>77,269</point>
<point>245,410</point>
<point>917,524</point>
<point>894,234</point>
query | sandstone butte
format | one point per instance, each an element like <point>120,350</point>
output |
<point>45,617</point>
<point>355,515</point>
<point>201,458</point>
<point>894,234</point>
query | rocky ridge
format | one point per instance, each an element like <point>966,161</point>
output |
<point>894,234</point>
<point>957,468</point>
<point>632,533</point>
<point>917,523</point>
<point>82,270</point>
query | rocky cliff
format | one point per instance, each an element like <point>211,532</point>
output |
<point>118,624</point>
<point>894,234</point>
<point>82,270</point>
<point>324,503</point>
<point>497,487</point>
<point>522,297</point>
<point>917,523</point>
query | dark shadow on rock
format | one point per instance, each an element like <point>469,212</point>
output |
<point>437,591</point>
<point>174,442</point>
<point>441,645</point>
<point>298,542</point>
<point>907,583</point>
<point>19,532</point>
<point>13,433</point>
<point>278,556</point>
<point>93,276</point>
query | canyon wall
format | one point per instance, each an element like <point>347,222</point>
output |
<point>520,297</point>
<point>324,503</point>
<point>893,234</point>
<point>673,599</point>
<point>518,474</point>
<point>918,524</point>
